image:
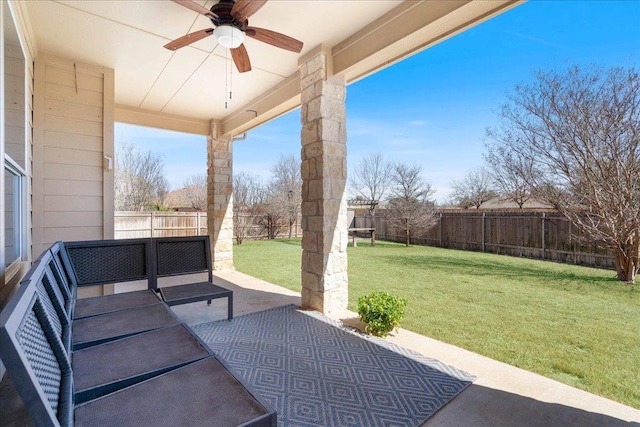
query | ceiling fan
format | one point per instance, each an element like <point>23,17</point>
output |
<point>231,21</point>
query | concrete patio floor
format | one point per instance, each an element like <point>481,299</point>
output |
<point>502,395</point>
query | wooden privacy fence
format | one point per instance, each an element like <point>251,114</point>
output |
<point>543,235</point>
<point>129,225</point>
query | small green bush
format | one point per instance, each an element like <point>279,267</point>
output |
<point>381,311</point>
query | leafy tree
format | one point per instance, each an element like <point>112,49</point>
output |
<point>578,133</point>
<point>410,208</point>
<point>139,179</point>
<point>370,181</point>
<point>473,189</point>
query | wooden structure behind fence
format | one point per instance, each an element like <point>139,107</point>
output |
<point>129,225</point>
<point>533,234</point>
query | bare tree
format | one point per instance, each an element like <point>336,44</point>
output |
<point>273,218</point>
<point>286,190</point>
<point>506,169</point>
<point>139,179</point>
<point>370,180</point>
<point>371,177</point>
<point>580,131</point>
<point>248,195</point>
<point>410,208</point>
<point>473,189</point>
<point>195,188</point>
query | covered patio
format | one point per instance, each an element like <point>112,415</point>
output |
<point>71,69</point>
<point>82,66</point>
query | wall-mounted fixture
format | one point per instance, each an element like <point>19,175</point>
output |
<point>107,163</point>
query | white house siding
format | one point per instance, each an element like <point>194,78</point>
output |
<point>73,118</point>
<point>15,124</point>
<point>18,91</point>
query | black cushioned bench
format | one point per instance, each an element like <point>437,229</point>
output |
<point>134,365</point>
<point>103,262</point>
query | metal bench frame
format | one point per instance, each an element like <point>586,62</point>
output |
<point>47,295</point>
<point>196,258</point>
<point>163,257</point>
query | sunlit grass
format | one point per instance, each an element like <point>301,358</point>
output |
<point>574,324</point>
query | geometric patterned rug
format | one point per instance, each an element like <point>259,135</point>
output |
<point>316,373</point>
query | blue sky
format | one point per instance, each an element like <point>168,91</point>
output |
<point>432,109</point>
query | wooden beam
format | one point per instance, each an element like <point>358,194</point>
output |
<point>142,117</point>
<point>280,99</point>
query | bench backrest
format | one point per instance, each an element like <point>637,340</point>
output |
<point>102,262</point>
<point>61,270</point>
<point>35,359</point>
<point>52,296</point>
<point>181,255</point>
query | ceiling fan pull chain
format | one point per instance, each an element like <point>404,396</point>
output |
<point>226,77</point>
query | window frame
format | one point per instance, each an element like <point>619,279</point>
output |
<point>21,194</point>
<point>19,202</point>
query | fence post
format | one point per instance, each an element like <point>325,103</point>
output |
<point>484,217</point>
<point>197,223</point>
<point>440,230</point>
<point>543,245</point>
<point>152,216</point>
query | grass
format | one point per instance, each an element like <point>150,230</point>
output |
<point>574,324</point>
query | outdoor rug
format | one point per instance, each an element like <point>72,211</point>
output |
<point>315,373</point>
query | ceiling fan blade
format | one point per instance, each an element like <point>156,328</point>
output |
<point>188,39</point>
<point>275,39</point>
<point>241,59</point>
<point>243,9</point>
<point>196,7</point>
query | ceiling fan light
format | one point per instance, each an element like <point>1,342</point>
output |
<point>228,36</point>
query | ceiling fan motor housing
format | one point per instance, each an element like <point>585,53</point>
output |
<point>223,10</point>
<point>230,19</point>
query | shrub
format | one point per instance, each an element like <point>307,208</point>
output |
<point>381,311</point>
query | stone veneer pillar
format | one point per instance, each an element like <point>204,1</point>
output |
<point>220,199</point>
<point>324,177</point>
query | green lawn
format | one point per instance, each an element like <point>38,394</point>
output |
<point>576,325</point>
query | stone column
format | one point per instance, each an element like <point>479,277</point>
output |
<point>220,199</point>
<point>324,177</point>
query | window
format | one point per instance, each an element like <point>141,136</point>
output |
<point>14,226</point>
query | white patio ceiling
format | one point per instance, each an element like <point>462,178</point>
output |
<point>191,82</point>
